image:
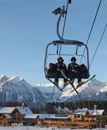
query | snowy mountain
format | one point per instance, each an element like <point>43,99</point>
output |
<point>16,89</point>
<point>50,92</point>
<point>93,90</point>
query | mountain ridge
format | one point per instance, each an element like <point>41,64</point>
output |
<point>89,90</point>
<point>16,89</point>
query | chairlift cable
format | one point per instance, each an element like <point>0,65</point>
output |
<point>92,27</point>
<point>98,44</point>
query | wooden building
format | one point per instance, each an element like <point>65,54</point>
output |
<point>54,120</point>
<point>31,119</point>
<point>81,118</point>
<point>6,115</point>
<point>84,118</point>
<point>5,119</point>
<point>16,113</point>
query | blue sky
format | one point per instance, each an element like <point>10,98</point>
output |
<point>27,26</point>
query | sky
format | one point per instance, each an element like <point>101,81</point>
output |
<point>27,26</point>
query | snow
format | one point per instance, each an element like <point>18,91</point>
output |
<point>41,128</point>
<point>8,116</point>
<point>24,110</point>
<point>31,116</point>
<point>104,89</point>
<point>96,112</point>
<point>16,89</point>
<point>90,90</point>
<point>7,110</point>
<point>44,116</point>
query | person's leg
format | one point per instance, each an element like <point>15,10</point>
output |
<point>65,82</point>
<point>72,77</point>
<point>79,80</point>
<point>56,78</point>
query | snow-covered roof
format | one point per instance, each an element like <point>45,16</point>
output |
<point>77,110</point>
<point>80,113</point>
<point>7,110</point>
<point>96,112</point>
<point>52,116</point>
<point>8,116</point>
<point>24,110</point>
<point>60,117</point>
<point>44,116</point>
<point>31,116</point>
<point>83,111</point>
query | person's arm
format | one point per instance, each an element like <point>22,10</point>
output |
<point>69,67</point>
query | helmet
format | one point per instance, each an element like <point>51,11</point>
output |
<point>60,59</point>
<point>73,59</point>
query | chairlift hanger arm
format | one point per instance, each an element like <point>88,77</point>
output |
<point>62,12</point>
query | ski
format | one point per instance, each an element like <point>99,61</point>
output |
<point>55,84</point>
<point>74,89</point>
<point>84,82</point>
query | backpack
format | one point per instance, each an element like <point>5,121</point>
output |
<point>51,67</point>
<point>83,69</point>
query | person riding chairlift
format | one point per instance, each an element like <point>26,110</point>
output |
<point>73,71</point>
<point>60,66</point>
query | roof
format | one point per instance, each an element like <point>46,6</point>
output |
<point>59,117</point>
<point>7,110</point>
<point>31,116</point>
<point>24,110</point>
<point>52,116</point>
<point>80,113</point>
<point>8,116</point>
<point>83,111</point>
<point>96,112</point>
<point>44,116</point>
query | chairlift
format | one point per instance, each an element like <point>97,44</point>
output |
<point>50,75</point>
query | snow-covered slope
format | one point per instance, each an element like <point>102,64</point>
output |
<point>94,90</point>
<point>16,89</point>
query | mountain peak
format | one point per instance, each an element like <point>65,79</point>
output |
<point>16,89</point>
<point>3,78</point>
<point>16,79</point>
